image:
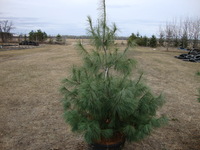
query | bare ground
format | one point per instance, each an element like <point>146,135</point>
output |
<point>31,113</point>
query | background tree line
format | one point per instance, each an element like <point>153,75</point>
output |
<point>37,36</point>
<point>137,39</point>
<point>183,33</point>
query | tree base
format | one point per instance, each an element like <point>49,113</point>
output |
<point>115,143</point>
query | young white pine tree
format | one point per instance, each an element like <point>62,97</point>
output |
<point>100,99</point>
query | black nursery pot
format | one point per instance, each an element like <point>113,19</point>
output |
<point>116,146</point>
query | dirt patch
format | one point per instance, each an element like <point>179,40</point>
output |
<point>31,111</point>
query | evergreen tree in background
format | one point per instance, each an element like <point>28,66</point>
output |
<point>176,42</point>
<point>138,34</point>
<point>132,40</point>
<point>161,39</point>
<point>145,41</point>
<point>100,98</point>
<point>153,41</point>
<point>184,41</point>
<point>37,36</point>
<point>142,41</point>
<point>58,38</point>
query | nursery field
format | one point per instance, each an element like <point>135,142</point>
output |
<point>31,111</point>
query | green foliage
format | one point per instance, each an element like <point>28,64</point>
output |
<point>58,38</point>
<point>137,40</point>
<point>131,40</point>
<point>37,36</point>
<point>143,41</point>
<point>100,99</point>
<point>100,107</point>
<point>153,41</point>
<point>198,73</point>
<point>161,39</point>
<point>176,42</point>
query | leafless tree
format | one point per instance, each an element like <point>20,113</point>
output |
<point>196,32</point>
<point>186,33</point>
<point>190,29</point>
<point>169,34</point>
<point>175,33</point>
<point>5,30</point>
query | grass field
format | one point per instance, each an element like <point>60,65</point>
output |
<point>31,113</point>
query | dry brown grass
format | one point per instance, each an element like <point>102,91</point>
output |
<point>31,113</point>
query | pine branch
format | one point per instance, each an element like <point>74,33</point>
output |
<point>82,49</point>
<point>139,79</point>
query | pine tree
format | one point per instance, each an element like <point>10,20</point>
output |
<point>142,41</point>
<point>58,38</point>
<point>176,42</point>
<point>161,39</point>
<point>153,41</point>
<point>100,98</point>
<point>132,40</point>
<point>184,41</point>
<point>145,41</point>
<point>37,36</point>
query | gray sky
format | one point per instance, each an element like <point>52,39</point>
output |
<point>68,17</point>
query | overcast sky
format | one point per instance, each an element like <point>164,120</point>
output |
<point>68,17</point>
